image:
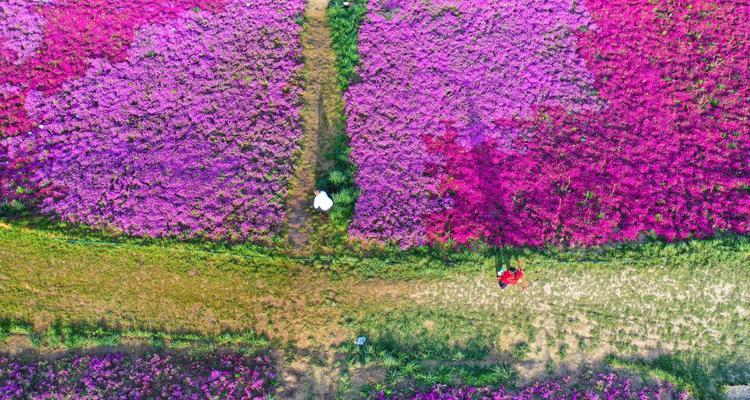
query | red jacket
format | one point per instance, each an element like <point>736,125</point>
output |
<point>511,278</point>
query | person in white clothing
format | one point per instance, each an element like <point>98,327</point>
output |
<point>322,201</point>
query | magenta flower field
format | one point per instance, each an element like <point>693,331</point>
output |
<point>603,386</point>
<point>233,376</point>
<point>512,122</point>
<point>134,377</point>
<point>162,119</point>
<point>533,122</point>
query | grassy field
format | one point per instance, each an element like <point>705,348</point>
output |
<point>660,310</point>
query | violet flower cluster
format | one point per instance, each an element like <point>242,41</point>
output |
<point>45,43</point>
<point>426,64</point>
<point>160,119</point>
<point>527,123</point>
<point>134,377</point>
<point>608,386</point>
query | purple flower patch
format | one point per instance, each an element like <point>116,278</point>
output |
<point>466,63</point>
<point>606,386</point>
<point>533,122</point>
<point>143,376</point>
<point>190,134</point>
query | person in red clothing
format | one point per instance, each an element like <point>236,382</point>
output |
<point>511,276</point>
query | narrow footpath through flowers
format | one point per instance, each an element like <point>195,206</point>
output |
<point>322,103</point>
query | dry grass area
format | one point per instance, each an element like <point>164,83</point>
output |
<point>579,315</point>
<point>176,289</point>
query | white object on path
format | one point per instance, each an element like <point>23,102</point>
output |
<point>322,201</point>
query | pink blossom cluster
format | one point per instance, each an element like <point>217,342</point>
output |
<point>469,62</point>
<point>605,386</point>
<point>133,377</point>
<point>528,123</point>
<point>45,43</point>
<point>159,118</point>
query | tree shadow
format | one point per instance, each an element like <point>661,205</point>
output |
<point>405,363</point>
<point>703,378</point>
<point>62,336</point>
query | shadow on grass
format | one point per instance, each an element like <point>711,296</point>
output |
<point>386,263</point>
<point>78,233</point>
<point>703,379</point>
<point>390,262</point>
<point>407,355</point>
<point>62,335</point>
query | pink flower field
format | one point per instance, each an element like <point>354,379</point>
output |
<point>513,122</point>
<point>609,386</point>
<point>149,375</point>
<point>533,122</point>
<point>154,118</point>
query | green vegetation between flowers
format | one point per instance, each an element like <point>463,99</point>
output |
<point>430,314</point>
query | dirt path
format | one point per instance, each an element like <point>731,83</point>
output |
<point>322,104</point>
